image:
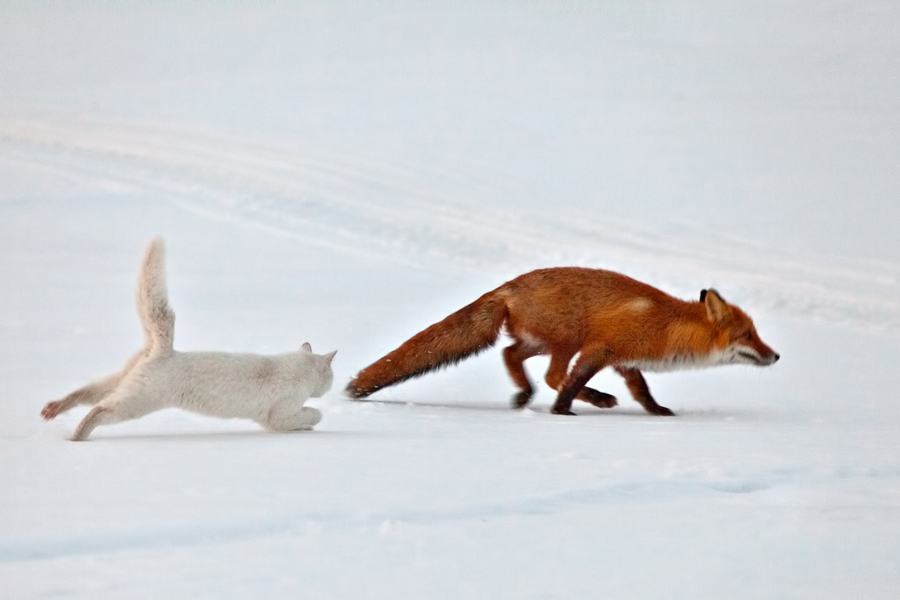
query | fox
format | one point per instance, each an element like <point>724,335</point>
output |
<point>270,389</point>
<point>603,318</point>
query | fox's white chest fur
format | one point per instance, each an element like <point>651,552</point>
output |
<point>270,389</point>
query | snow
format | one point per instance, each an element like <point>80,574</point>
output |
<point>347,174</point>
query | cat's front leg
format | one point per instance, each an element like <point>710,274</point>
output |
<point>291,416</point>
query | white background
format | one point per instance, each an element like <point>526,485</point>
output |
<point>347,174</point>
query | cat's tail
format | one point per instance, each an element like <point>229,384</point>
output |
<point>153,308</point>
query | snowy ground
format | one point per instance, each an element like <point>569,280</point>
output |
<point>347,174</point>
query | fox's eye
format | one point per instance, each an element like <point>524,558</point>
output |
<point>748,336</point>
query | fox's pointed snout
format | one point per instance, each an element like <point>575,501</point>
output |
<point>770,360</point>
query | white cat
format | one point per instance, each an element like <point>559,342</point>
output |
<point>270,390</point>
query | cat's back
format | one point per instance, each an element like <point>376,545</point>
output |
<point>228,384</point>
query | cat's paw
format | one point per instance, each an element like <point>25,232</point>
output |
<point>51,409</point>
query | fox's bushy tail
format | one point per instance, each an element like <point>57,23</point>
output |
<point>468,331</point>
<point>156,316</point>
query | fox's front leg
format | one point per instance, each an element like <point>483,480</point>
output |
<point>556,375</point>
<point>639,389</point>
<point>588,364</point>
<point>92,393</point>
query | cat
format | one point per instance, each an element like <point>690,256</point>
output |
<point>270,389</point>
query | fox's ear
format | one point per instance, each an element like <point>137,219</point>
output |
<point>716,307</point>
<point>330,356</point>
<point>306,347</point>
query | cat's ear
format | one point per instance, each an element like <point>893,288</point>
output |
<point>330,356</point>
<point>306,347</point>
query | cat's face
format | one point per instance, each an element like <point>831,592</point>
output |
<point>324,374</point>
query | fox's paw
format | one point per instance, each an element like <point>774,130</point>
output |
<point>659,411</point>
<point>558,411</point>
<point>51,409</point>
<point>521,400</point>
<point>597,398</point>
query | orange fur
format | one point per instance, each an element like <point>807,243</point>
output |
<point>605,318</point>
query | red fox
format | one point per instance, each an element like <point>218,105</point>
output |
<point>607,319</point>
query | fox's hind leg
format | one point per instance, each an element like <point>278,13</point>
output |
<point>291,415</point>
<point>92,393</point>
<point>515,356</point>
<point>638,387</point>
<point>556,374</point>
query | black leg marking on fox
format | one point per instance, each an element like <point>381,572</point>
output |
<point>639,389</point>
<point>515,356</point>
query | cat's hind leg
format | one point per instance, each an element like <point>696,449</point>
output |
<point>123,405</point>
<point>92,393</point>
<point>291,415</point>
<point>99,415</point>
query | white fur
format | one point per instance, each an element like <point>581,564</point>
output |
<point>739,354</point>
<point>270,390</point>
<point>735,354</point>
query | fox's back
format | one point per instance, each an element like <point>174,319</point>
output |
<point>573,296</point>
<point>574,307</point>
